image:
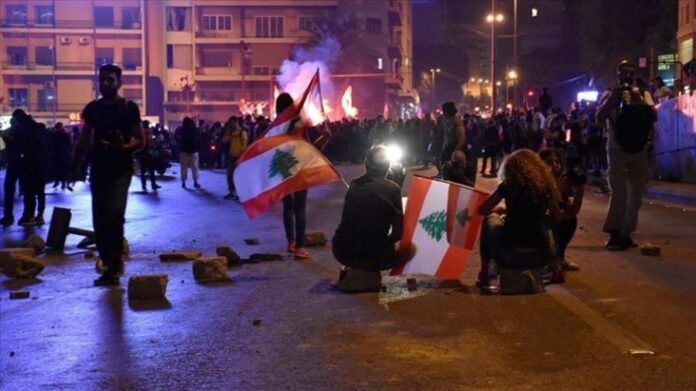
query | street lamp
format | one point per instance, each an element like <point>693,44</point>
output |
<point>433,72</point>
<point>512,81</point>
<point>492,19</point>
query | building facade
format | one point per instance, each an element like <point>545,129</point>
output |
<point>50,51</point>
<point>686,33</point>
<point>204,58</point>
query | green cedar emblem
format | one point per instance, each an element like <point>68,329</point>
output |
<point>434,224</point>
<point>463,216</point>
<point>281,164</point>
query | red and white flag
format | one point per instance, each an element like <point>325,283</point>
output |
<point>281,124</point>
<point>441,226</point>
<point>274,167</point>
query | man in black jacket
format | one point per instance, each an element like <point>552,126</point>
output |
<point>13,137</point>
<point>372,220</point>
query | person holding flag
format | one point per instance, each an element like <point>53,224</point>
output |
<point>282,164</point>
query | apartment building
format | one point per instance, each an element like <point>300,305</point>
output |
<point>189,57</point>
<point>50,51</point>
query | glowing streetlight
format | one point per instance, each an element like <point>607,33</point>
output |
<point>498,83</point>
<point>512,75</point>
<point>497,18</point>
<point>433,72</point>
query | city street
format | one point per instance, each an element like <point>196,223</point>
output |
<point>624,321</point>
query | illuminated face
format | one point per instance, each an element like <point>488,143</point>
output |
<point>109,83</point>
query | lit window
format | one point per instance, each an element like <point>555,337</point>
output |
<point>535,12</point>
<point>380,63</point>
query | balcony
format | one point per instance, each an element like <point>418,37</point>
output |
<point>65,68</point>
<point>68,25</point>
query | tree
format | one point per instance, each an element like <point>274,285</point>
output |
<point>281,163</point>
<point>434,224</point>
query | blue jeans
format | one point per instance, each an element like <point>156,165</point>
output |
<point>109,198</point>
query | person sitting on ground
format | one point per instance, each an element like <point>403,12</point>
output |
<point>372,219</point>
<point>531,210</point>
<point>571,186</point>
<point>455,170</point>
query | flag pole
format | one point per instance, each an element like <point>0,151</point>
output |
<point>321,98</point>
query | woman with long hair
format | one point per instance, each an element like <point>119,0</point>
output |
<point>530,212</point>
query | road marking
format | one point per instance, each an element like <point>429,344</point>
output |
<point>626,341</point>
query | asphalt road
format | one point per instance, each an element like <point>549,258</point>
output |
<point>71,335</point>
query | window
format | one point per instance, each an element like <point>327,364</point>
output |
<point>179,57</point>
<point>16,14</point>
<point>104,56</point>
<point>18,97</point>
<point>44,99</point>
<point>216,57</point>
<point>216,22</point>
<point>132,58</point>
<point>104,16</point>
<point>178,18</point>
<point>44,14</point>
<point>373,25</point>
<point>130,17</point>
<point>269,26</point>
<point>44,55</point>
<point>306,23</point>
<point>17,55</point>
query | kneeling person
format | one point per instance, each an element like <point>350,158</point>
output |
<point>371,224</point>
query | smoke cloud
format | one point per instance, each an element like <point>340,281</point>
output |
<point>296,73</point>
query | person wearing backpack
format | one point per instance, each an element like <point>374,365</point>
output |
<point>629,115</point>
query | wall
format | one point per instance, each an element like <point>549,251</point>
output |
<point>675,144</point>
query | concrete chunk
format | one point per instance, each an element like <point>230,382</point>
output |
<point>147,287</point>
<point>22,266</point>
<point>521,281</point>
<point>650,249</point>
<point>36,242</point>
<point>19,295</point>
<point>7,253</point>
<point>315,239</point>
<point>179,256</point>
<point>232,257</point>
<point>210,269</point>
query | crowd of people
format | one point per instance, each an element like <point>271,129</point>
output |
<point>546,154</point>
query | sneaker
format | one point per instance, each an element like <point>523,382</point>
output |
<point>616,244</point>
<point>301,253</point>
<point>291,247</point>
<point>107,279</point>
<point>570,265</point>
<point>26,221</point>
<point>196,185</point>
<point>7,220</point>
<point>156,186</point>
<point>39,220</point>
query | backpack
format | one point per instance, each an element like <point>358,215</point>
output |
<point>632,127</point>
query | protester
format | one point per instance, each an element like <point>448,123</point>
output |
<point>372,219</point>
<point>146,159</point>
<point>455,170</point>
<point>545,100</point>
<point>531,210</point>
<point>237,140</point>
<point>112,125</point>
<point>188,157</point>
<point>14,138</point>
<point>571,187</point>
<point>35,160</point>
<point>60,143</point>
<point>295,204</point>
<point>455,136</point>
<point>629,115</point>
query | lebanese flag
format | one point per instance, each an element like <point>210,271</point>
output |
<point>441,226</point>
<point>281,124</point>
<point>274,167</point>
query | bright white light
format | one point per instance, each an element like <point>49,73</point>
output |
<point>394,153</point>
<point>535,12</point>
<point>512,75</point>
<point>589,96</point>
<point>380,63</point>
<point>498,83</point>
